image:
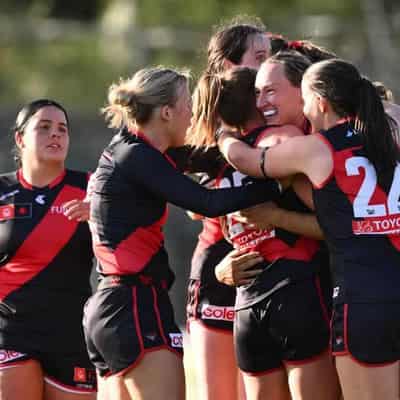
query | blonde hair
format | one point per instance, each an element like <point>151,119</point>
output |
<point>132,101</point>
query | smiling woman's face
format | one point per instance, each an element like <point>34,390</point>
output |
<point>45,137</point>
<point>278,100</point>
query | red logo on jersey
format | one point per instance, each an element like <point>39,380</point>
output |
<point>80,374</point>
<point>7,212</point>
<point>23,211</point>
<point>377,226</point>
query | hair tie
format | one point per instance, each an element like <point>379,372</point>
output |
<point>125,98</point>
<point>295,44</point>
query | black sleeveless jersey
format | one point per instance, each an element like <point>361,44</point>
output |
<point>132,185</point>
<point>288,257</point>
<point>277,243</point>
<point>45,259</point>
<point>359,213</point>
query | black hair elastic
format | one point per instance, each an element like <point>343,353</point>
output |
<point>262,162</point>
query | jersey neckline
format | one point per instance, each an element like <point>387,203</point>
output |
<point>26,185</point>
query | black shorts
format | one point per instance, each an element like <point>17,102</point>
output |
<point>212,304</point>
<point>368,332</point>
<point>70,372</point>
<point>50,333</point>
<point>290,326</point>
<point>124,321</point>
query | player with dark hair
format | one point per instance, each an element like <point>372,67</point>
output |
<point>46,260</point>
<point>352,161</point>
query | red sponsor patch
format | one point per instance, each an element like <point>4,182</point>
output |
<point>80,375</point>
<point>7,212</point>
<point>377,226</point>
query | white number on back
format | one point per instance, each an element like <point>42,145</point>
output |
<point>361,206</point>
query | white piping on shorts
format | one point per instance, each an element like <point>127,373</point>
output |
<point>67,389</point>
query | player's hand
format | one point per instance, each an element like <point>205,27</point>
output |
<point>261,216</point>
<point>233,270</point>
<point>78,210</point>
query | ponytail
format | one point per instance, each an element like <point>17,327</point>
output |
<point>205,121</point>
<point>378,130</point>
<point>355,97</point>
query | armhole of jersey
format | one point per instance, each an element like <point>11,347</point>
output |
<point>332,150</point>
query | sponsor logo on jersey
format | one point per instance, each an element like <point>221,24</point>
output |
<point>57,210</point>
<point>7,212</point>
<point>9,355</point>
<point>336,291</point>
<point>15,211</point>
<point>377,226</point>
<point>221,313</point>
<point>40,199</point>
<point>176,339</point>
<point>9,194</point>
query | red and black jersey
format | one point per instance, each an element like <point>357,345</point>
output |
<point>211,247</point>
<point>359,213</point>
<point>45,261</point>
<point>132,185</point>
<point>271,244</point>
<point>288,257</point>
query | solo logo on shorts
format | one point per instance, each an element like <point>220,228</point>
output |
<point>176,339</point>
<point>222,313</point>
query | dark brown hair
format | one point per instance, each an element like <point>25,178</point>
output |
<point>25,115</point>
<point>294,65</point>
<point>229,96</point>
<point>354,96</point>
<point>230,42</point>
<point>309,49</point>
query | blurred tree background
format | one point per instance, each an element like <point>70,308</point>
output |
<point>71,50</point>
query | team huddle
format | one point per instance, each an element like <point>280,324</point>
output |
<point>290,158</point>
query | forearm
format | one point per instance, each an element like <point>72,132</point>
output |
<point>299,223</point>
<point>176,188</point>
<point>242,157</point>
